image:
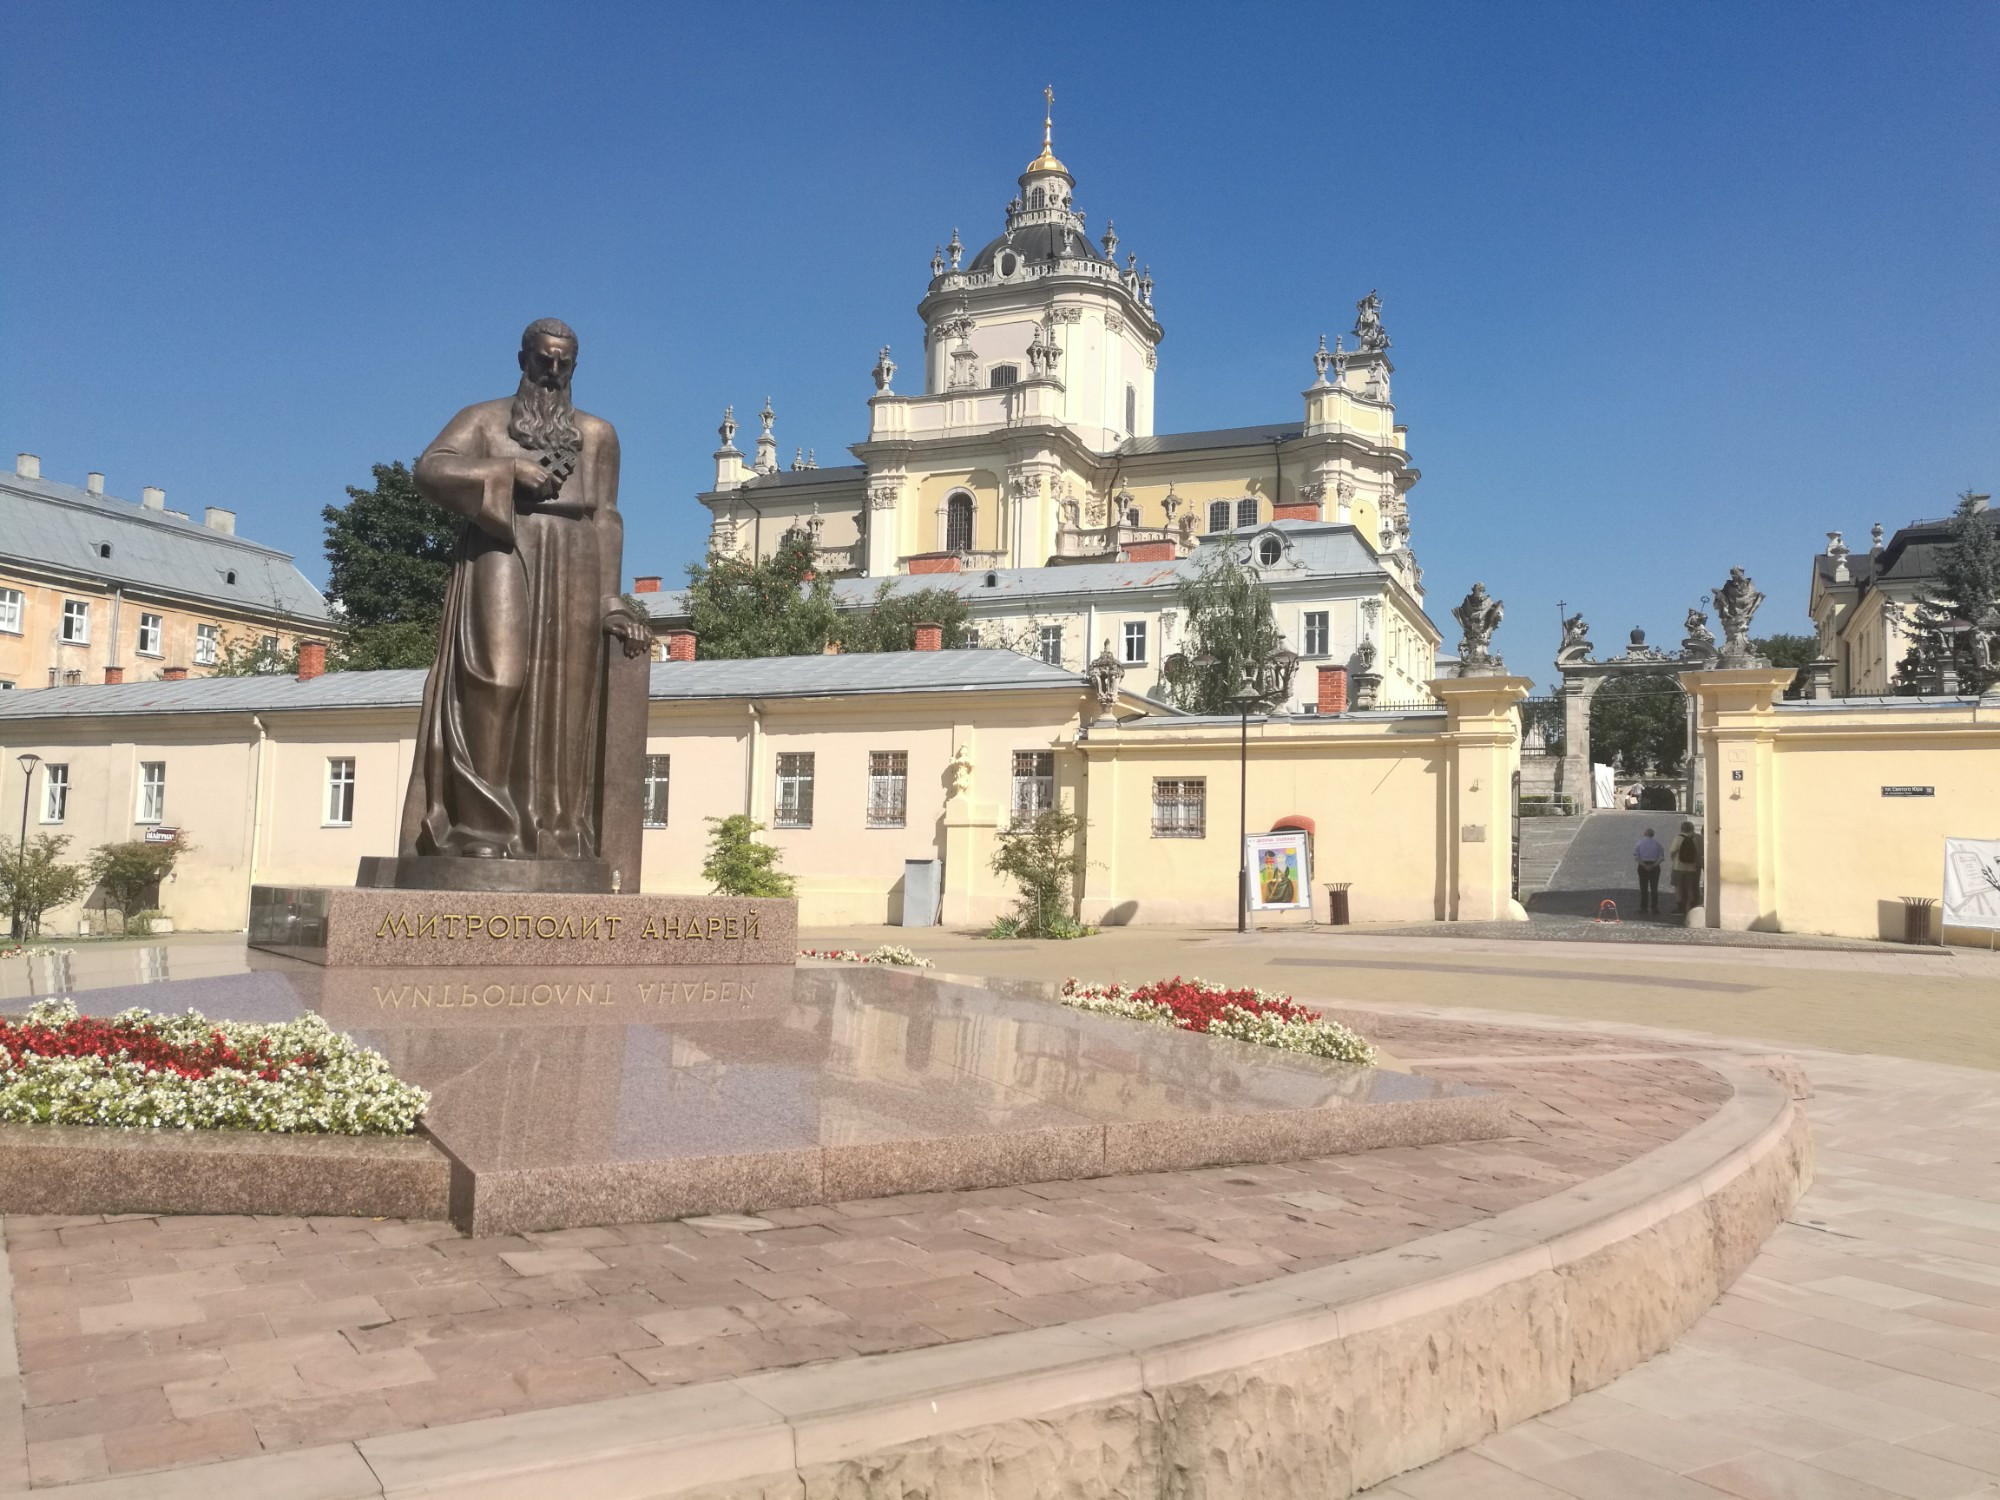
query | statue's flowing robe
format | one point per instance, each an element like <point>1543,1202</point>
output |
<point>507,756</point>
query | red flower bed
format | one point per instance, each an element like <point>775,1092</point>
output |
<point>94,1036</point>
<point>1195,1004</point>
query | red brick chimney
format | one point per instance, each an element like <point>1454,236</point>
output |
<point>680,645</point>
<point>312,660</point>
<point>648,585</point>
<point>930,637</point>
<point>936,562</point>
<point>173,674</point>
<point>1333,690</point>
<point>1159,551</point>
<point>113,676</point>
<point>1296,510</point>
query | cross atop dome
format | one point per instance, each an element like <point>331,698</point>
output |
<point>1047,162</point>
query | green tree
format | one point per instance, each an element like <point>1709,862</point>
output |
<point>1957,621</point>
<point>773,606</point>
<point>1039,856</point>
<point>1639,724</point>
<point>1799,651</point>
<point>737,865</point>
<point>130,873</point>
<point>890,623</point>
<point>1229,621</point>
<point>41,881</point>
<point>250,656</point>
<point>389,553</point>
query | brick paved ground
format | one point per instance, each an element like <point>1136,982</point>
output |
<point>150,1342</point>
<point>1857,1359</point>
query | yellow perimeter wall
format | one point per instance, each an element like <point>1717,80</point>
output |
<point>1413,809</point>
<point>1804,839</point>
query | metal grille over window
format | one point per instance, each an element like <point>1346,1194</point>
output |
<point>1180,808</point>
<point>55,793</point>
<point>340,790</point>
<point>888,788</point>
<point>655,812</point>
<point>1034,783</point>
<point>795,789</point>
<point>958,523</point>
<point>152,791</point>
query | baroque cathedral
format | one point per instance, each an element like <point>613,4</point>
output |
<point>1026,473</point>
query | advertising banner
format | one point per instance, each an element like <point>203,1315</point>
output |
<point>1971,883</point>
<point>1280,879</point>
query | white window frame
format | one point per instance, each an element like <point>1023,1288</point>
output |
<point>157,630</point>
<point>1049,636</point>
<point>152,806</point>
<point>1034,784</point>
<point>793,806</point>
<point>55,792</point>
<point>1324,630</point>
<point>1134,635</point>
<point>888,789</point>
<point>207,645</point>
<point>658,782</point>
<point>76,622</point>
<point>13,610</point>
<point>1219,509</point>
<point>339,808</point>
<point>1246,512</point>
<point>1180,807</point>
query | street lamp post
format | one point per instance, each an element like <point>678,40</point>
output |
<point>28,762</point>
<point>1268,682</point>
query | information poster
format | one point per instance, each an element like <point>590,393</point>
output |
<point>1971,883</point>
<point>1280,875</point>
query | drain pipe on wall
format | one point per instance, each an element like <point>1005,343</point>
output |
<point>753,749</point>
<point>256,810</point>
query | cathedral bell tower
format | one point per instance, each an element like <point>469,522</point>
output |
<point>1043,300</point>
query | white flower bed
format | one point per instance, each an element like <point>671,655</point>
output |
<point>1263,1017</point>
<point>313,1079</point>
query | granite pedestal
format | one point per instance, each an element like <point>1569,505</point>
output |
<point>398,928</point>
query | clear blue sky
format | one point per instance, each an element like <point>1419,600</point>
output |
<point>1671,286</point>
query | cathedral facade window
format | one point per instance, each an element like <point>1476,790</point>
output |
<point>1004,375</point>
<point>1218,515</point>
<point>958,522</point>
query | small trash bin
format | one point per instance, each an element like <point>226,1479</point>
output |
<point>1336,903</point>
<point>1917,918</point>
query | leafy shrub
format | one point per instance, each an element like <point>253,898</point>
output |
<point>41,881</point>
<point>1039,855</point>
<point>737,865</point>
<point>130,873</point>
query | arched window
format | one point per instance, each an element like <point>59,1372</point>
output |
<point>1035,198</point>
<point>1218,515</point>
<point>958,522</point>
<point>1132,516</point>
<point>1004,375</point>
<point>1246,511</point>
<point>1131,408</point>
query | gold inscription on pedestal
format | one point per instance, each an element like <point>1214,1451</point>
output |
<point>691,928</point>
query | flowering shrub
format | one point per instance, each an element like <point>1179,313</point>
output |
<point>142,1070</point>
<point>1243,1015</point>
<point>893,954</point>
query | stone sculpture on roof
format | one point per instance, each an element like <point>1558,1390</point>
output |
<point>1698,645</point>
<point>1735,602</point>
<point>1576,639</point>
<point>1368,330</point>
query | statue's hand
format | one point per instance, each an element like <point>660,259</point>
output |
<point>632,634</point>
<point>533,482</point>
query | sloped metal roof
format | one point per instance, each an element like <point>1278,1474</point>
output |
<point>61,526</point>
<point>1219,437</point>
<point>759,677</point>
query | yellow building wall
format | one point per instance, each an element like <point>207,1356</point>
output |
<point>26,656</point>
<point>921,532</point>
<point>1806,841</point>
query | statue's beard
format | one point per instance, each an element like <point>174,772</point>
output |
<point>543,421</point>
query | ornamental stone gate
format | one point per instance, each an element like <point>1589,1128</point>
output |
<point>1583,675</point>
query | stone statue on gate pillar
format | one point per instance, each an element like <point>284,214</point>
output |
<point>1478,616</point>
<point>526,765</point>
<point>1735,602</point>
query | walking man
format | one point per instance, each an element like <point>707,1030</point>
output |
<point>1686,856</point>
<point>1649,854</point>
